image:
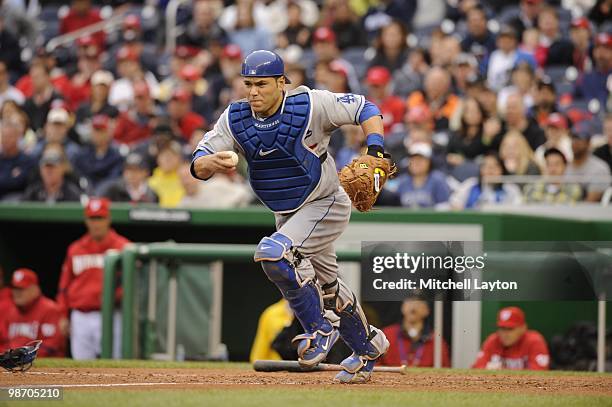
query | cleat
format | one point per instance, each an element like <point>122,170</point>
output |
<point>357,370</point>
<point>314,347</point>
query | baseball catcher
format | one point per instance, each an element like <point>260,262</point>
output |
<point>20,359</point>
<point>283,136</point>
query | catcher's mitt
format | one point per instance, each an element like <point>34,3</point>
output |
<point>364,178</point>
<point>20,359</point>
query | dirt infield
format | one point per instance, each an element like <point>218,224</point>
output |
<point>97,378</point>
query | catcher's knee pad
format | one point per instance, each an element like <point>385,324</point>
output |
<point>354,328</point>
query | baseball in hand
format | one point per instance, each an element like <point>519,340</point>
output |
<point>232,157</point>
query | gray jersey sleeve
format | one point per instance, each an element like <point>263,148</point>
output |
<point>337,108</point>
<point>219,138</point>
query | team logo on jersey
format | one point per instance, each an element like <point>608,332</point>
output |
<point>25,329</point>
<point>83,262</point>
<point>348,98</point>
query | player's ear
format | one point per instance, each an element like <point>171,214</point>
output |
<point>280,82</point>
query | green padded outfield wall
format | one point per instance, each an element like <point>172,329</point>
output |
<point>37,236</point>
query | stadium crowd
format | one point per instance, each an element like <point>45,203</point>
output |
<point>470,91</point>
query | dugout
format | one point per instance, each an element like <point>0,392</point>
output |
<point>37,235</point>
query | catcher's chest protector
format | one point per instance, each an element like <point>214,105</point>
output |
<point>282,171</point>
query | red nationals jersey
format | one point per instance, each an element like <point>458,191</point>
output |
<point>80,285</point>
<point>530,352</point>
<point>393,109</point>
<point>402,351</point>
<point>39,320</point>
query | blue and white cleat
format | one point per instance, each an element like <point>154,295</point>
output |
<point>358,368</point>
<point>314,347</point>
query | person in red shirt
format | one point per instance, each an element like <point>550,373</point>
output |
<point>183,120</point>
<point>136,124</point>
<point>81,280</point>
<point>392,107</point>
<point>81,15</point>
<point>32,316</point>
<point>411,343</point>
<point>513,346</point>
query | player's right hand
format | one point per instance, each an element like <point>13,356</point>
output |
<point>210,164</point>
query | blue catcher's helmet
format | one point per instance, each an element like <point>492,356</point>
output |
<point>264,63</point>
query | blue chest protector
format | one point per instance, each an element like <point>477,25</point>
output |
<point>282,171</point>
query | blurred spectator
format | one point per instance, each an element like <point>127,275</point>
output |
<point>379,92</point>
<point>411,75</point>
<point>465,67</point>
<point>580,35</point>
<point>183,55</point>
<point>337,78</point>
<point>479,41</point>
<point>337,15</point>
<point>101,82</point>
<point>183,120</point>
<point>595,84</point>
<point>136,124</point>
<point>15,165</point>
<point>513,346</point>
<point>81,15</point>
<point>165,180</point>
<point>470,141</point>
<point>444,48</point>
<point>585,164</point>
<point>130,72</point>
<point>8,92</point>
<point>133,186</point>
<point>88,62</point>
<point>99,161</point>
<point>271,322</point>
<point>149,149</point>
<point>475,192</point>
<point>505,57</point>
<point>516,155</point>
<point>601,12</point>
<point>33,316</point>
<point>553,49</point>
<point>246,34</point>
<point>230,65</point>
<point>56,131</point>
<point>544,100</point>
<point>516,119</point>
<point>528,16</point>
<point>437,97</point>
<point>605,151</point>
<point>80,286</point>
<point>296,32</point>
<point>10,51</point>
<point>59,79</point>
<point>557,136</point>
<point>221,191</point>
<point>354,145</point>
<point>131,36</point>
<point>203,29</point>
<point>190,78</point>
<point>553,192</point>
<point>38,105</point>
<point>53,186</point>
<point>422,187</point>
<point>297,74</point>
<point>391,47</point>
<point>522,82</point>
<point>326,50</point>
<point>411,341</point>
<point>380,14</point>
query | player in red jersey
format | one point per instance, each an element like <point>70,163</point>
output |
<point>80,286</point>
<point>513,346</point>
<point>32,316</point>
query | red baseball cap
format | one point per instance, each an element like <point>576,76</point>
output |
<point>556,120</point>
<point>185,51</point>
<point>231,51</point>
<point>324,34</point>
<point>189,73</point>
<point>24,278</point>
<point>97,208</point>
<point>581,22</point>
<point>419,114</point>
<point>181,95</point>
<point>510,317</point>
<point>603,39</point>
<point>131,22</point>
<point>378,75</point>
<point>127,54</point>
<point>100,121</point>
<point>338,67</point>
<point>85,41</point>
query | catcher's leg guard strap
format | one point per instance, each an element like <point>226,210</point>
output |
<point>354,327</point>
<point>276,259</point>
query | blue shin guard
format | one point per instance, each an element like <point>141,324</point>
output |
<point>304,298</point>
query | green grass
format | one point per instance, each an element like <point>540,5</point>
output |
<point>333,396</point>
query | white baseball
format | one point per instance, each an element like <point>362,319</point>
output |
<point>233,157</point>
